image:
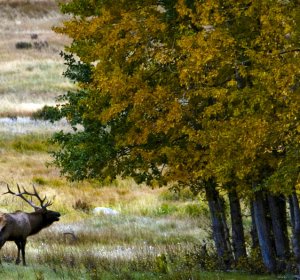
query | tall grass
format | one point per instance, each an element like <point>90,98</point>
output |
<point>132,243</point>
<point>157,235</point>
<point>27,85</point>
<point>24,77</point>
<point>122,247</point>
<point>30,78</point>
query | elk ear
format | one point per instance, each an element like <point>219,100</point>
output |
<point>39,210</point>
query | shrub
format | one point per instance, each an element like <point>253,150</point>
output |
<point>40,45</point>
<point>166,209</point>
<point>39,181</point>
<point>82,206</point>
<point>23,45</point>
<point>34,36</point>
<point>161,262</point>
<point>254,262</point>
<point>47,113</point>
<point>175,194</point>
<point>194,210</point>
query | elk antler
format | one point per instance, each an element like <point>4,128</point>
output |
<point>48,203</point>
<point>34,194</point>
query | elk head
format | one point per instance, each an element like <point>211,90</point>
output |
<point>48,215</point>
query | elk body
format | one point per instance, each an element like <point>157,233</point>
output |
<point>19,225</point>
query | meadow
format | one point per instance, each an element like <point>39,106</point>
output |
<point>151,227</point>
<point>31,67</point>
<point>158,234</point>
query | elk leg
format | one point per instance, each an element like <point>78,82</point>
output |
<point>23,244</point>
<point>2,241</point>
<point>18,243</point>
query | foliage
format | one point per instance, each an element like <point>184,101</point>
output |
<point>23,45</point>
<point>159,87</point>
<point>47,113</point>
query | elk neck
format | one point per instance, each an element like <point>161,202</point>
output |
<point>37,221</point>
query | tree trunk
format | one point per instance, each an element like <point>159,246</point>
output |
<point>292,212</point>
<point>219,232</point>
<point>277,206</point>
<point>295,216</point>
<point>222,210</point>
<point>269,221</point>
<point>238,238</point>
<point>253,232</point>
<point>263,232</point>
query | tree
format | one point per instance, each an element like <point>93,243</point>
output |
<point>204,93</point>
<point>244,57</point>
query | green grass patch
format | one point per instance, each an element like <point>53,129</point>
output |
<point>40,181</point>
<point>26,143</point>
<point>165,209</point>
<point>41,272</point>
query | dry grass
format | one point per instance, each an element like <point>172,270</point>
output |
<point>30,78</point>
<point>134,240</point>
<point>24,160</point>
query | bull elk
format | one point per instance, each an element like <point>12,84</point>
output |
<point>19,225</point>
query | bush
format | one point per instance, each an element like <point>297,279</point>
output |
<point>40,181</point>
<point>194,210</point>
<point>254,262</point>
<point>82,206</point>
<point>175,194</point>
<point>40,45</point>
<point>23,45</point>
<point>166,209</point>
<point>47,113</point>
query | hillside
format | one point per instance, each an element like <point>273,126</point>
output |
<point>31,66</point>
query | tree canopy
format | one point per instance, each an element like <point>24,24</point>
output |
<point>205,88</point>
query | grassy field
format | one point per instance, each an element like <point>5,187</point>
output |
<point>152,234</point>
<point>156,235</point>
<point>30,77</point>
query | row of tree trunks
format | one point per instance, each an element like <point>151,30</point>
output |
<point>269,229</point>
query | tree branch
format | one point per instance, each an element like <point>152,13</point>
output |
<point>289,51</point>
